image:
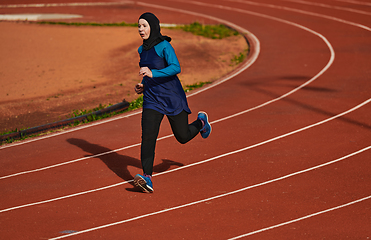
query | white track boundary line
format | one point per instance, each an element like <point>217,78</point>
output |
<point>332,58</point>
<point>135,112</point>
<point>329,6</point>
<point>198,163</point>
<point>302,218</point>
<point>250,60</point>
<point>304,12</point>
<point>78,160</point>
<point>81,4</point>
<point>355,2</point>
<point>216,197</point>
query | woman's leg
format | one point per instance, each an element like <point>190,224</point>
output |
<point>183,131</point>
<point>151,121</point>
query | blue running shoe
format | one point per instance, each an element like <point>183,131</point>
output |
<point>206,130</point>
<point>144,182</point>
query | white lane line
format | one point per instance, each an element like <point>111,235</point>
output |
<point>355,2</point>
<point>69,162</point>
<point>44,5</point>
<point>201,162</point>
<point>284,21</point>
<point>37,16</point>
<point>302,218</point>
<point>214,197</point>
<point>253,56</point>
<point>122,116</point>
<point>77,160</point>
<point>329,6</point>
<point>253,59</point>
<point>304,12</point>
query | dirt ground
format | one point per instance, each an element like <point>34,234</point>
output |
<point>48,71</point>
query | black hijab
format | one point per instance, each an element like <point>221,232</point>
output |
<point>155,36</point>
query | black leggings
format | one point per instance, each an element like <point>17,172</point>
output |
<point>151,121</point>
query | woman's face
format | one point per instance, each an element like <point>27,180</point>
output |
<point>144,29</point>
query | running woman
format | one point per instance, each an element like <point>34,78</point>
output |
<point>162,95</point>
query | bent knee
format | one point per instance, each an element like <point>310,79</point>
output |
<point>182,140</point>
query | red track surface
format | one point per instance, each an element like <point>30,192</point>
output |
<point>295,164</point>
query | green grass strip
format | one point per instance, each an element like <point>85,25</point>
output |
<point>218,31</point>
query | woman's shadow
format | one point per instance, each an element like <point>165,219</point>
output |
<point>119,163</point>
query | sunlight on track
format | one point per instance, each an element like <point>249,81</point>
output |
<point>207,160</point>
<point>231,193</point>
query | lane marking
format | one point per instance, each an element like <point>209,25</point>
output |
<point>81,4</point>
<point>201,162</point>
<point>331,60</point>
<point>329,6</point>
<point>37,16</point>
<point>302,218</point>
<point>217,197</point>
<point>304,12</point>
<point>355,2</point>
<point>136,112</point>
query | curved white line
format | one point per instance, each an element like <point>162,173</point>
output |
<point>303,12</point>
<point>329,6</point>
<point>80,4</point>
<point>332,57</point>
<point>355,2</point>
<point>136,112</point>
<point>221,196</point>
<point>302,218</point>
<point>204,161</point>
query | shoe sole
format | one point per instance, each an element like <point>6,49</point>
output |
<point>140,182</point>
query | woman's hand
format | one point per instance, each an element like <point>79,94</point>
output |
<point>145,71</point>
<point>139,88</point>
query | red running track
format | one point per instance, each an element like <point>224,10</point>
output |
<point>288,158</point>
